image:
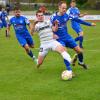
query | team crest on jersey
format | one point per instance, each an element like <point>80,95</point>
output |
<point>21,21</point>
<point>65,19</point>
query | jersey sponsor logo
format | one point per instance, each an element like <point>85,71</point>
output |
<point>42,28</point>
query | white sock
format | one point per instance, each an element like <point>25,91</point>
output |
<point>66,56</point>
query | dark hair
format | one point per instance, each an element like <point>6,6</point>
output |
<point>73,1</point>
<point>61,2</point>
<point>39,11</point>
<point>16,8</point>
<point>0,7</point>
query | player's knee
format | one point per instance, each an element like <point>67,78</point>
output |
<point>40,62</point>
<point>60,49</point>
<point>26,47</point>
<point>32,46</point>
<point>78,49</point>
<point>81,33</point>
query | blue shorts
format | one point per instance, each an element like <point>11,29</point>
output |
<point>77,28</point>
<point>1,25</point>
<point>25,38</point>
<point>4,24</point>
<point>68,43</point>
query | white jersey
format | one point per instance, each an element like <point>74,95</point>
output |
<point>44,31</point>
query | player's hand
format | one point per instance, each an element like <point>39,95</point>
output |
<point>35,22</point>
<point>93,24</point>
<point>56,22</point>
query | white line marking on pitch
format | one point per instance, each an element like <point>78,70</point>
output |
<point>92,39</point>
<point>95,50</point>
<point>91,50</point>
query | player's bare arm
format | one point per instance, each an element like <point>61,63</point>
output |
<point>32,31</point>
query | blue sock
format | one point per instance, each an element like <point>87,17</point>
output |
<point>81,42</point>
<point>77,38</point>
<point>67,65</point>
<point>80,57</point>
<point>30,54</point>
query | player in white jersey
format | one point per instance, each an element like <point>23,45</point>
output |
<point>45,32</point>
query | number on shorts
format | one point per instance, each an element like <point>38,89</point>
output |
<point>41,49</point>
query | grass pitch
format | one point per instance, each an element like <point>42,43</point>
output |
<point>20,80</point>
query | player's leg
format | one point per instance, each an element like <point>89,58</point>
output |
<point>28,51</point>
<point>30,43</point>
<point>42,54</point>
<point>1,25</point>
<point>60,49</point>
<point>80,57</point>
<point>40,60</point>
<point>80,37</point>
<point>72,44</point>
<point>6,31</point>
<point>24,44</point>
<point>79,32</point>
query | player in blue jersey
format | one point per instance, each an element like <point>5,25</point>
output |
<point>20,23</point>
<point>61,32</point>
<point>4,21</point>
<point>3,17</point>
<point>74,11</point>
<point>0,17</point>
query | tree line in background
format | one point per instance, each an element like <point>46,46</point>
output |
<point>92,4</point>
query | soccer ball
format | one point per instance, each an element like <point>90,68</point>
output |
<point>66,75</point>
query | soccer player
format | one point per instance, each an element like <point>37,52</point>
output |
<point>20,23</point>
<point>74,11</point>
<point>44,29</point>
<point>3,17</point>
<point>61,31</point>
<point>0,17</point>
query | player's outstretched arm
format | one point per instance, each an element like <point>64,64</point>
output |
<point>93,24</point>
<point>33,27</point>
<point>30,28</point>
<point>83,22</point>
<point>82,15</point>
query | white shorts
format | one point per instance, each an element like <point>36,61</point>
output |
<point>44,48</point>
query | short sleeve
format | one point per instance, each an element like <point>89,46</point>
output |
<point>27,21</point>
<point>68,12</point>
<point>52,18</point>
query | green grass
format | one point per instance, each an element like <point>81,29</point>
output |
<point>20,80</point>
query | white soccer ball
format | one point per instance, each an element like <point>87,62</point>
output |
<point>66,75</point>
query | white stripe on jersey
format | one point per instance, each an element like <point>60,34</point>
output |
<point>44,31</point>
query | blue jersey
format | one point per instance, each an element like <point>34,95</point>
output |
<point>74,12</point>
<point>22,34</point>
<point>62,31</point>
<point>19,24</point>
<point>62,28</point>
<point>3,18</point>
<point>4,15</point>
<point>0,20</point>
